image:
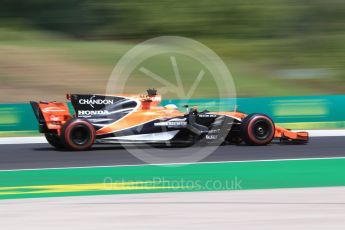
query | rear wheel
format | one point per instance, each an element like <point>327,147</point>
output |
<point>54,140</point>
<point>257,129</point>
<point>78,134</point>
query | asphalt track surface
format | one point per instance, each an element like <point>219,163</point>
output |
<point>35,156</point>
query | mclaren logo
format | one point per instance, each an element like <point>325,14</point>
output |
<point>92,101</point>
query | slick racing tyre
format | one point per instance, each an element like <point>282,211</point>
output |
<point>78,134</point>
<point>257,129</point>
<point>54,140</point>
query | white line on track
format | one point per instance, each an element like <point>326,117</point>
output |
<point>22,140</point>
<point>177,164</point>
<point>326,133</point>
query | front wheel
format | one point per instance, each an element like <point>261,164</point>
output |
<point>78,134</point>
<point>257,129</point>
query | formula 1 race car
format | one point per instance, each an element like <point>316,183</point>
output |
<point>134,119</point>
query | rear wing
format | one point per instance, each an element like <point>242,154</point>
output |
<point>50,115</point>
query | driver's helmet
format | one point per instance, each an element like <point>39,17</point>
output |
<point>170,106</point>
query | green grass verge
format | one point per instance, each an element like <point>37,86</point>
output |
<point>25,133</point>
<point>173,178</point>
<point>257,66</point>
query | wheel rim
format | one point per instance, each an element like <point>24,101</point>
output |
<point>262,129</point>
<point>80,135</point>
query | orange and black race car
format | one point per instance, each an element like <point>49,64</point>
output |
<point>139,119</point>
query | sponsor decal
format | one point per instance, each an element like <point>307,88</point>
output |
<point>207,115</point>
<point>92,101</point>
<point>82,113</point>
<point>178,119</point>
<point>171,123</point>
<point>54,118</point>
<point>100,119</point>
<point>52,109</point>
<point>214,131</point>
<point>211,137</point>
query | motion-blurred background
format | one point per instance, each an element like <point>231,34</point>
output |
<point>272,47</point>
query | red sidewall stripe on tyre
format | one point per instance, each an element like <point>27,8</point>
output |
<point>68,131</point>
